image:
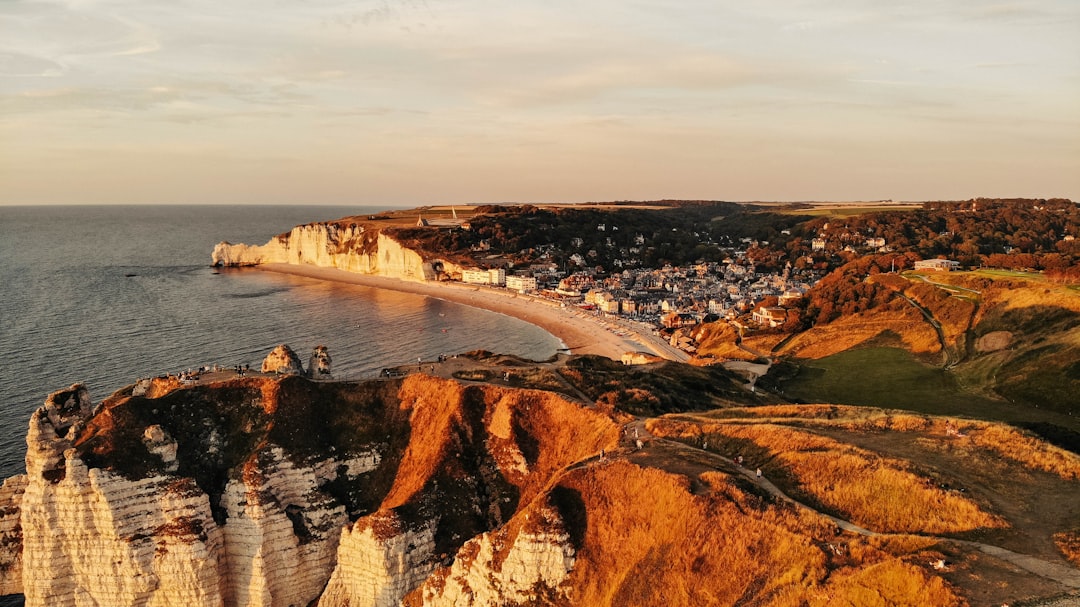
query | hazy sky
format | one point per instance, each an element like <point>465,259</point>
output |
<point>418,102</point>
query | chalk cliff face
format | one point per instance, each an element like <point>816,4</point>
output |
<point>276,491</point>
<point>345,246</point>
<point>279,491</point>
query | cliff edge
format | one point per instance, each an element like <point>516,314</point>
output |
<point>278,490</point>
<point>350,246</point>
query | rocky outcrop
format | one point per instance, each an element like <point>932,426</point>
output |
<point>277,521</point>
<point>283,361</point>
<point>379,560</point>
<point>277,491</point>
<point>346,246</point>
<point>319,363</point>
<point>281,491</point>
<point>11,494</point>
<point>141,530</point>
<point>496,568</point>
<point>159,442</point>
<point>95,538</point>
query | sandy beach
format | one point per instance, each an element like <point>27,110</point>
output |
<point>580,332</point>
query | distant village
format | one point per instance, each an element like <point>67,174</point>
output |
<point>699,263</point>
<point>670,297</point>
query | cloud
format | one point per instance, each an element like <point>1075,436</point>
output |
<point>16,64</point>
<point>186,101</point>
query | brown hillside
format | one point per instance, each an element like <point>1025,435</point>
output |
<point>669,523</point>
<point>649,541</point>
<point>903,326</point>
<point>718,340</point>
<point>968,473</point>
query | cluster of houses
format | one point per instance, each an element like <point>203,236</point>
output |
<point>676,297</point>
<point>670,297</point>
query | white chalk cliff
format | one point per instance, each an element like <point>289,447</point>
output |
<point>91,537</point>
<point>350,247</point>
<point>246,492</point>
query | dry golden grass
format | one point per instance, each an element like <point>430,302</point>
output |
<point>1001,439</point>
<point>843,412</point>
<point>548,431</point>
<point>436,408</point>
<point>850,331</point>
<point>880,585</point>
<point>1034,295</point>
<point>717,340</point>
<point>952,312</point>
<point>763,342</point>
<point>879,493</point>
<point>538,430</point>
<point>1068,542</point>
<point>648,541</point>
<point>1022,448</point>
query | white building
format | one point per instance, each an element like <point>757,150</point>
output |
<point>940,265</point>
<point>770,317</point>
<point>476,277</point>
<point>485,277</point>
<point>521,284</point>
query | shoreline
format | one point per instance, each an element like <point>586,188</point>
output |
<point>579,332</point>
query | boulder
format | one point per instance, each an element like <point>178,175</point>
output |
<point>284,361</point>
<point>319,363</point>
<point>159,442</point>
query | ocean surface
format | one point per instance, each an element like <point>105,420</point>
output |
<point>105,295</point>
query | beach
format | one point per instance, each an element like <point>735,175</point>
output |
<point>581,332</point>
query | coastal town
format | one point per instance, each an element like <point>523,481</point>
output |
<point>702,281</point>
<point>664,299</point>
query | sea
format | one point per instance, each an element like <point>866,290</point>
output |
<point>105,295</point>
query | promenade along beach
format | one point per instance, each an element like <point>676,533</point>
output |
<point>581,332</point>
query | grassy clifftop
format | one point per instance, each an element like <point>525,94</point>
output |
<point>671,520</point>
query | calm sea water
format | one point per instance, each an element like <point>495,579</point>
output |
<point>106,295</point>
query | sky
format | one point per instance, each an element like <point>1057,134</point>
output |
<point>382,102</point>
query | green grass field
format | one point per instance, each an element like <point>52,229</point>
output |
<point>881,377</point>
<point>893,378</point>
<point>847,211</point>
<point>1036,276</point>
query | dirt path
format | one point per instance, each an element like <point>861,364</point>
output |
<point>1062,574</point>
<point>950,358</point>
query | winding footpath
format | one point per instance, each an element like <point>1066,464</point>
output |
<point>1065,575</point>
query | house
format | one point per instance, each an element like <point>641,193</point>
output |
<point>938,265</point>
<point>875,243</point>
<point>772,316</point>
<point>608,304</point>
<point>674,320</point>
<point>817,244</point>
<point>789,297</point>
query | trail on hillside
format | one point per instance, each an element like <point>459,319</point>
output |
<point>1062,574</point>
<point>950,359</point>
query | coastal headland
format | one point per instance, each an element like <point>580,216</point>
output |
<point>580,331</point>
<point>488,479</point>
